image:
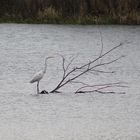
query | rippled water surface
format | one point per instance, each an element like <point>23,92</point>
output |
<point>66,116</point>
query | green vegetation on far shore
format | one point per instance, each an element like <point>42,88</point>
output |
<point>86,20</point>
<point>70,11</point>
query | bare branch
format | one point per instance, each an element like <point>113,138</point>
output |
<point>101,71</point>
<point>64,72</point>
<point>102,55</point>
<point>109,92</point>
<point>91,62</point>
<point>105,87</point>
<point>102,45</point>
<point>63,65</point>
<point>71,75</point>
<point>101,92</point>
<point>71,61</point>
<point>102,86</point>
<point>88,69</point>
<point>107,63</point>
<point>78,82</point>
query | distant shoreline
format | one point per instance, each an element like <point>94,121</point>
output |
<point>80,12</point>
<point>86,20</point>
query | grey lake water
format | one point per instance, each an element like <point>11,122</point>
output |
<point>24,115</point>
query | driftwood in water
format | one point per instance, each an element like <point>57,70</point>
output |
<point>70,76</point>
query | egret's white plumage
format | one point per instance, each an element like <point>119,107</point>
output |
<point>39,75</point>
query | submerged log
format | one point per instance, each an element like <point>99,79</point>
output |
<point>44,92</point>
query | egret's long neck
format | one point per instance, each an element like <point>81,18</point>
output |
<point>45,68</point>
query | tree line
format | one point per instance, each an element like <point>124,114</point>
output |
<point>68,8</point>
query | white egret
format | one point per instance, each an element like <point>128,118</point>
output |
<point>39,75</point>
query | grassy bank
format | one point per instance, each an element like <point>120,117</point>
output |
<point>84,20</point>
<point>70,11</point>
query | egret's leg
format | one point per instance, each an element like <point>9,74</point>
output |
<point>38,87</point>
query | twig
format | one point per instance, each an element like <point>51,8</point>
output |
<point>101,71</point>
<point>71,61</point>
<point>102,45</point>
